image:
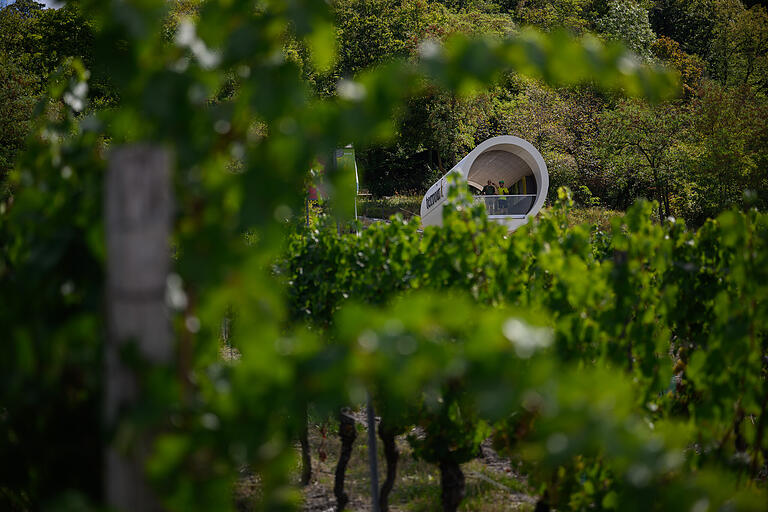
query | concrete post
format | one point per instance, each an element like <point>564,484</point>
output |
<point>137,206</point>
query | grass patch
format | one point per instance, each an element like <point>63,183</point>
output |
<point>385,207</point>
<point>600,217</point>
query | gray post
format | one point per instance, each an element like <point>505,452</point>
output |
<point>138,209</point>
<point>372,456</point>
<point>330,170</point>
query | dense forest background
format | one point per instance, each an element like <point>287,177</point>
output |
<point>697,155</point>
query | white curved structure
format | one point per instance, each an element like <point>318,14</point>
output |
<point>507,158</point>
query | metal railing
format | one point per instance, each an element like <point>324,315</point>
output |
<point>517,204</point>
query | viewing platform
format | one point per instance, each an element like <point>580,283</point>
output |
<point>506,205</point>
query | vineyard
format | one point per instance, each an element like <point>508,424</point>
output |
<point>173,318</point>
<point>618,364</point>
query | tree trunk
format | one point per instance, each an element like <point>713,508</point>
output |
<point>138,219</point>
<point>391,455</point>
<point>306,457</point>
<point>660,195</point>
<point>347,433</point>
<point>452,485</point>
<point>761,427</point>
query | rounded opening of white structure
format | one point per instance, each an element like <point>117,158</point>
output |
<point>511,160</point>
<point>499,166</point>
<point>504,167</point>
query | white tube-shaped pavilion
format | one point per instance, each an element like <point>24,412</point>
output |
<point>505,158</point>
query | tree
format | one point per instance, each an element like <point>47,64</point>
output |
<point>639,140</point>
<point>574,15</point>
<point>627,21</point>
<point>17,100</point>
<point>752,44</point>
<point>40,39</point>
<point>25,8</point>
<point>690,67</point>
<point>34,42</point>
<point>731,155</point>
<point>689,22</point>
<point>538,118</point>
<point>581,121</point>
<point>739,44</point>
<point>434,129</point>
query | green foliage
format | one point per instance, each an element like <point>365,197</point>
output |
<point>690,67</point>
<point>730,37</point>
<point>689,22</point>
<point>17,99</point>
<point>585,197</point>
<point>436,128</point>
<point>370,33</point>
<point>641,144</point>
<point>40,39</point>
<point>573,15</point>
<point>50,295</point>
<point>739,45</point>
<point>383,208</point>
<point>701,39</point>
<point>34,43</point>
<point>559,323</point>
<point>654,305</point>
<point>728,154</point>
<point>627,21</point>
<point>599,217</point>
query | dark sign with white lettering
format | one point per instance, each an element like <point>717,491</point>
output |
<point>435,196</point>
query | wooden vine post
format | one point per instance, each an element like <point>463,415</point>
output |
<point>137,206</point>
<point>372,453</point>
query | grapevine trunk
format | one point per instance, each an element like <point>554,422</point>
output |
<point>452,485</point>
